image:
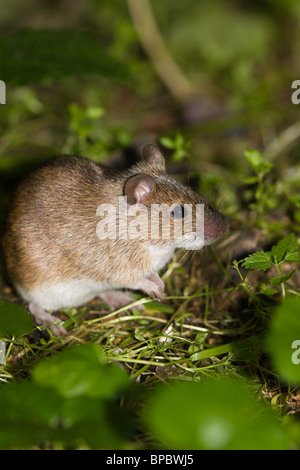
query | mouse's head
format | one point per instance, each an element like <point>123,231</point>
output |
<point>165,211</point>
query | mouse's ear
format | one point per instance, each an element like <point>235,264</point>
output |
<point>138,187</point>
<point>154,157</point>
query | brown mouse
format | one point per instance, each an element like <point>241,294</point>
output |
<point>63,244</point>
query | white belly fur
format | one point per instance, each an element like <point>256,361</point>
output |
<point>70,294</point>
<point>77,292</point>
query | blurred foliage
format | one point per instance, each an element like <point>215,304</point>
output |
<point>233,46</point>
<point>178,145</point>
<point>80,55</point>
<point>88,133</point>
<point>283,340</point>
<point>208,418</point>
<point>14,321</point>
<point>71,400</point>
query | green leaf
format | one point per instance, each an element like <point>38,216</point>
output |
<point>259,260</point>
<point>264,167</point>
<point>32,414</point>
<point>274,281</point>
<point>212,414</point>
<point>253,157</point>
<point>167,142</point>
<point>100,423</point>
<point>256,161</point>
<point>267,290</point>
<point>14,321</point>
<point>250,180</point>
<point>95,112</point>
<point>29,414</point>
<point>81,371</point>
<point>292,257</point>
<point>286,249</point>
<point>238,347</point>
<point>138,335</point>
<point>295,199</point>
<point>178,144</point>
<point>281,340</point>
<point>41,56</point>
<point>70,399</point>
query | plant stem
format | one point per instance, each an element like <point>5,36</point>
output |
<point>154,44</point>
<point>282,283</point>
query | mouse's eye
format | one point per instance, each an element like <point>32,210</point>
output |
<point>178,212</point>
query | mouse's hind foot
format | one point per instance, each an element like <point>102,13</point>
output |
<point>45,319</point>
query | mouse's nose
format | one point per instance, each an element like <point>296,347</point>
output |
<point>215,226</point>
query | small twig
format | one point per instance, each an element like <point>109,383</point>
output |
<point>283,141</point>
<point>154,45</point>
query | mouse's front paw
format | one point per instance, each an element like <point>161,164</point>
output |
<point>153,286</point>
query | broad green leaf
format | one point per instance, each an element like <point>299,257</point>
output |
<point>41,56</point>
<point>100,423</point>
<point>29,415</point>
<point>32,414</point>
<point>212,414</point>
<point>14,321</point>
<point>286,250</point>
<point>81,371</point>
<point>259,260</point>
<point>281,340</point>
<point>70,399</point>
